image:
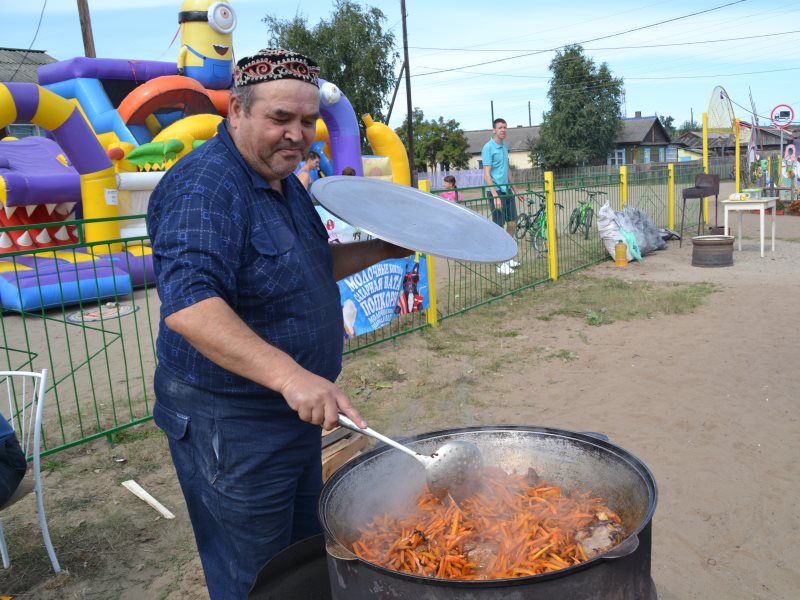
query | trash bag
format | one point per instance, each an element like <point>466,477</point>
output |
<point>647,234</point>
<point>633,226</point>
<point>610,226</point>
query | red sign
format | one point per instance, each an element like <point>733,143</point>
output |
<point>782,115</point>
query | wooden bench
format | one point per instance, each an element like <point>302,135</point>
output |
<point>339,446</point>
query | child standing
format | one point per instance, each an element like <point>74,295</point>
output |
<point>451,193</point>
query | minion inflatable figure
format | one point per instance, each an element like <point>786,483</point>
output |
<point>206,53</point>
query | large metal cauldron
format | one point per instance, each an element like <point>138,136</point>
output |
<point>385,480</point>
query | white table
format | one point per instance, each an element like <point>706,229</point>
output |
<point>760,204</point>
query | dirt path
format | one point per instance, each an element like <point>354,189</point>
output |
<point>708,400</point>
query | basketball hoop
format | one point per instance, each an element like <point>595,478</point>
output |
<point>781,116</point>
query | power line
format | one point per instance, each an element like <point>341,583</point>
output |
<point>735,39</point>
<point>707,76</point>
<point>579,87</point>
<point>604,37</point>
<point>33,41</point>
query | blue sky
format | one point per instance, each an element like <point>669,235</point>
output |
<point>457,48</point>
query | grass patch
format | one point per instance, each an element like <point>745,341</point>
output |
<point>506,333</point>
<point>602,301</point>
<point>135,434</point>
<point>53,465</point>
<point>70,504</point>
<point>83,548</point>
<point>563,355</point>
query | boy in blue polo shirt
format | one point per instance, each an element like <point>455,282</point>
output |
<point>497,177</point>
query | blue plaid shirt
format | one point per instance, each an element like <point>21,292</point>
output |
<point>219,230</point>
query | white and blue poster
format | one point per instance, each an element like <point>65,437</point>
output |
<point>373,297</point>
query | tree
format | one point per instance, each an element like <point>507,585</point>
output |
<point>667,124</point>
<point>437,143</point>
<point>584,116</point>
<point>352,49</point>
<point>687,126</point>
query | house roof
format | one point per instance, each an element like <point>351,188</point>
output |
<point>640,130</point>
<point>517,138</point>
<point>20,65</point>
<point>766,137</point>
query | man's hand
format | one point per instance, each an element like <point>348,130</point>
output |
<point>498,204</point>
<point>317,400</point>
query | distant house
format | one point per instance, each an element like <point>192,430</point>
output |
<point>768,140</point>
<point>21,66</point>
<point>642,140</point>
<point>517,138</point>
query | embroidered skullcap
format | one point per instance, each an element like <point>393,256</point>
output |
<point>273,64</point>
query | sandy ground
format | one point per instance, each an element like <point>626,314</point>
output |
<point>709,401</point>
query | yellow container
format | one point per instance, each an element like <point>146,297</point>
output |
<point>621,254</point>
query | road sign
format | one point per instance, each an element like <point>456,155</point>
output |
<point>782,115</point>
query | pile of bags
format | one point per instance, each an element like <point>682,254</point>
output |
<point>633,226</point>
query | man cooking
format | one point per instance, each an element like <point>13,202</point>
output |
<point>250,339</point>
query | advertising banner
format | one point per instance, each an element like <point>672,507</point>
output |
<point>373,297</point>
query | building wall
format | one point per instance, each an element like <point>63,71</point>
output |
<point>685,154</point>
<point>517,160</point>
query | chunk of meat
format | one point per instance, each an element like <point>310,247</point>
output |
<point>598,538</point>
<point>480,553</point>
<point>532,477</point>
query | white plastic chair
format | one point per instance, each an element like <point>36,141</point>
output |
<point>25,391</point>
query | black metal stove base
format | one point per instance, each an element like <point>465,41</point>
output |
<point>298,573</point>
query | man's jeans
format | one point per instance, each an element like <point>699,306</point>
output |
<point>251,473</point>
<point>12,466</point>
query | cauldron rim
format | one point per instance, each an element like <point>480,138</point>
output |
<point>586,437</point>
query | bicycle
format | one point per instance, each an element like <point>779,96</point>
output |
<point>534,224</point>
<point>582,216</point>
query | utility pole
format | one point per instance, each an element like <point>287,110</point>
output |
<point>530,123</point>
<point>86,28</point>
<point>394,96</point>
<point>412,163</point>
<point>491,102</point>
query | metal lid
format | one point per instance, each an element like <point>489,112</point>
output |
<point>414,219</point>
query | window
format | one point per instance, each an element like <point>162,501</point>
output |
<point>646,154</point>
<point>662,154</point>
<point>672,154</point>
<point>21,130</point>
<point>617,157</point>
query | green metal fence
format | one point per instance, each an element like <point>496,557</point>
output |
<point>101,368</point>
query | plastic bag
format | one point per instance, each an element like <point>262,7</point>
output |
<point>611,232</point>
<point>647,234</point>
<point>633,226</point>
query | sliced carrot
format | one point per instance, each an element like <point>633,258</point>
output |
<point>524,530</point>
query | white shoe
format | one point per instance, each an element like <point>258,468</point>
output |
<point>512,263</point>
<point>504,269</point>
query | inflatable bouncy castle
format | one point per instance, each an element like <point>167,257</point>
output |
<point>113,127</point>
